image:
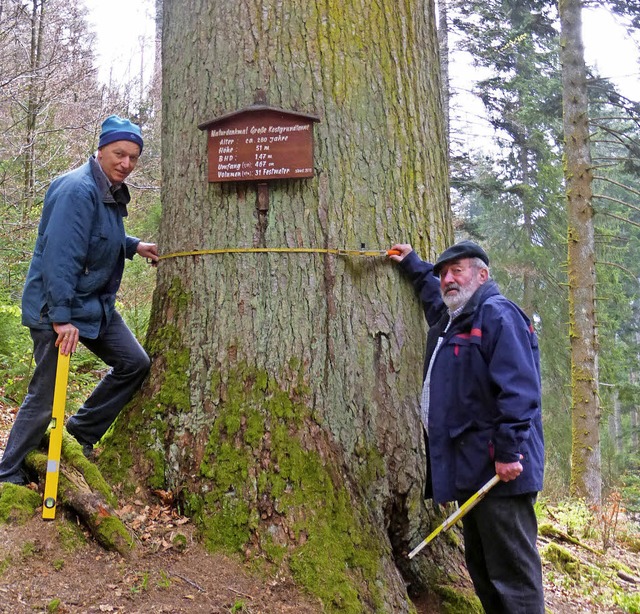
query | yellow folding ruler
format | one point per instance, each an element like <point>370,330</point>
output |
<point>472,501</point>
<point>55,437</point>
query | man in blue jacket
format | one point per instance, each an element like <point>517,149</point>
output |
<point>480,408</point>
<point>70,293</point>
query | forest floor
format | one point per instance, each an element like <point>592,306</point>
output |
<point>55,566</point>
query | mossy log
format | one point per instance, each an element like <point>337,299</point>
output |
<point>564,561</point>
<point>82,490</point>
<point>551,532</point>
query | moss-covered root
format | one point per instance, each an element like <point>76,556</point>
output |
<point>563,560</point>
<point>456,600</point>
<point>552,532</point>
<point>17,503</point>
<point>82,489</point>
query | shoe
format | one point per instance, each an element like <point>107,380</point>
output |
<point>19,479</point>
<point>88,451</point>
<point>87,448</point>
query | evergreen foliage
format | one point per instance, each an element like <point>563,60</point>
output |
<point>51,109</point>
<point>512,199</point>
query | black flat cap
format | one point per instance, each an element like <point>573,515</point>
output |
<point>464,249</point>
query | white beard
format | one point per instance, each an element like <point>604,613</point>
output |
<point>455,301</point>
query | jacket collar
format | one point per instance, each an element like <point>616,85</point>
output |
<point>487,289</point>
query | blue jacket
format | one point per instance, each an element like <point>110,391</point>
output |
<point>485,392</point>
<point>79,254</point>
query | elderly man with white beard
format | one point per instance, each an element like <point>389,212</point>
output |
<point>481,412</point>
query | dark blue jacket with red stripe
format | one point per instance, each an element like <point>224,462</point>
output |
<point>485,391</point>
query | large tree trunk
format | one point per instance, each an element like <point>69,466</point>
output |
<point>585,411</point>
<point>282,403</point>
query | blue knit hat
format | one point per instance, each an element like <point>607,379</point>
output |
<point>116,128</point>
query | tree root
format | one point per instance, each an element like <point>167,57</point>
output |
<point>548,530</point>
<point>83,490</point>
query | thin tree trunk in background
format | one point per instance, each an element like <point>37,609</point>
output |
<point>443,46</point>
<point>585,411</point>
<point>617,419</point>
<point>282,403</point>
<point>525,195</point>
<point>33,102</point>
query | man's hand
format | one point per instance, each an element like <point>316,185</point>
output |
<point>403,248</point>
<point>149,251</point>
<point>509,471</point>
<point>68,336</point>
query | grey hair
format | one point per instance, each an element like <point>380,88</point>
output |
<point>479,264</point>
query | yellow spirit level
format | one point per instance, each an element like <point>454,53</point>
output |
<point>55,437</point>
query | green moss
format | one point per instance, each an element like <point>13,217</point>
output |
<point>145,422</point>
<point>229,528</point>
<point>620,566</point>
<point>156,460</point>
<point>628,602</point>
<point>255,453</point>
<point>17,503</point>
<point>116,459</point>
<point>174,390</point>
<point>70,535</point>
<point>456,600</point>
<point>54,605</point>
<point>28,549</point>
<point>113,535</point>
<point>179,542</point>
<point>562,560</point>
<point>5,564</point>
<point>371,465</point>
<point>254,430</point>
<point>178,296</point>
<point>274,552</point>
<point>452,537</point>
<point>337,552</point>
<point>72,454</point>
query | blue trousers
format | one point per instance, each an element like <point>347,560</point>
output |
<point>501,555</point>
<point>119,349</point>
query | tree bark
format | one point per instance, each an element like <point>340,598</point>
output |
<point>282,402</point>
<point>443,46</point>
<point>585,410</point>
<point>83,491</point>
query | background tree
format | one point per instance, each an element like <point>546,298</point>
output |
<point>282,404</point>
<point>51,108</point>
<point>585,411</point>
<point>615,144</point>
<point>49,105</point>
<point>508,187</point>
<point>517,181</point>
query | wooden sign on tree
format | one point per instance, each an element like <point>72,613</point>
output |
<point>260,143</point>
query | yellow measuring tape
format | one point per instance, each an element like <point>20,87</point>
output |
<point>282,250</point>
<point>55,437</point>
